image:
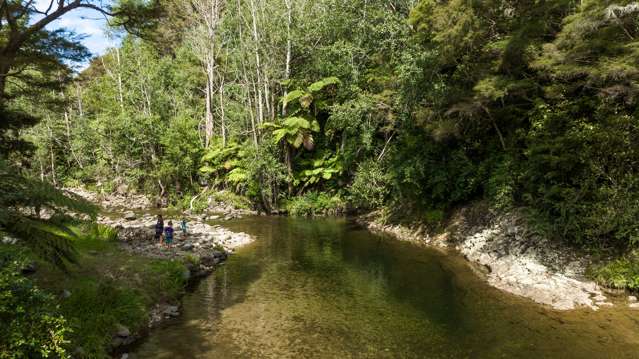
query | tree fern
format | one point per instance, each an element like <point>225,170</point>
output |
<point>22,199</point>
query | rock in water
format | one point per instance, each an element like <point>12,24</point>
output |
<point>171,311</point>
<point>130,216</point>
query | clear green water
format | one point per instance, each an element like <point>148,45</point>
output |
<point>329,289</point>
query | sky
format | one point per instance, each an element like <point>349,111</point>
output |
<point>86,22</point>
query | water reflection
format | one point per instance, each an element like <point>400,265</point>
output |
<point>328,289</point>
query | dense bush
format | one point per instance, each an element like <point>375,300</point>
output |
<point>32,324</point>
<point>316,204</point>
<point>621,273</point>
<point>370,187</point>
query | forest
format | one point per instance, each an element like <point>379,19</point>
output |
<point>405,108</point>
<point>329,106</point>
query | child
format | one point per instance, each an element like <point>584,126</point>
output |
<point>159,228</point>
<point>183,226</point>
<point>168,234</point>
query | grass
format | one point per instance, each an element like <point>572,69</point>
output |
<point>109,287</point>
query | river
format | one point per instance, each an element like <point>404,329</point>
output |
<point>328,288</point>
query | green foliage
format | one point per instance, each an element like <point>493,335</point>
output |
<point>21,200</point>
<point>316,204</point>
<point>622,273</point>
<point>96,307</point>
<point>321,168</point>
<point>584,191</point>
<point>225,165</point>
<point>182,151</point>
<point>233,199</point>
<point>434,217</point>
<point>108,288</point>
<point>296,131</point>
<point>267,175</point>
<point>370,187</point>
<point>32,325</point>
<point>521,103</point>
<point>169,277</point>
<point>502,183</point>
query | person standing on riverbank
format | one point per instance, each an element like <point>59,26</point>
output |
<point>183,227</point>
<point>168,234</point>
<point>159,228</point>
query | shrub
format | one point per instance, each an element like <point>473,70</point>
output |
<point>169,277</point>
<point>316,204</point>
<point>622,273</point>
<point>434,217</point>
<point>501,186</point>
<point>370,186</point>
<point>32,326</point>
<point>228,197</point>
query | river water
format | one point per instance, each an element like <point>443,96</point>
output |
<point>330,289</point>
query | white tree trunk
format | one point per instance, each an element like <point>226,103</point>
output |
<point>287,69</point>
<point>258,65</point>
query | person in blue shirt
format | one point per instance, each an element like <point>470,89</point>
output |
<point>168,234</point>
<point>183,226</point>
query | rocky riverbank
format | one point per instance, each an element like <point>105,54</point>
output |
<point>202,248</point>
<point>517,260</point>
<point>201,239</point>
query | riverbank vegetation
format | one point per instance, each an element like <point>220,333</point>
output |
<point>327,107</point>
<point>78,310</point>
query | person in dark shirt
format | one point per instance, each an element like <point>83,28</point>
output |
<point>159,228</point>
<point>168,235</point>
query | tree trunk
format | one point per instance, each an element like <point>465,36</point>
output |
<point>208,127</point>
<point>287,69</point>
<point>289,167</point>
<point>258,66</point>
<point>119,79</point>
<point>222,120</point>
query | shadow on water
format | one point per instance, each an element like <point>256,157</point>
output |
<point>201,312</point>
<point>330,289</point>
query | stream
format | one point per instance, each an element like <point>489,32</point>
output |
<point>327,288</point>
